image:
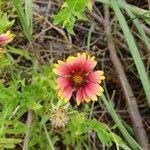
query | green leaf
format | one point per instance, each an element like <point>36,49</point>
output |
<point>104,138</point>
<point>4,62</point>
<point>71,10</point>
<point>105,135</point>
<point>9,142</point>
<point>18,128</point>
<point>33,105</point>
<point>90,6</point>
<point>5,23</point>
<point>80,16</point>
<point>19,52</point>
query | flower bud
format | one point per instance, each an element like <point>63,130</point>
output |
<point>6,38</point>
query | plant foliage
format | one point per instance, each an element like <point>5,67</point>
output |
<point>70,11</point>
<point>5,23</point>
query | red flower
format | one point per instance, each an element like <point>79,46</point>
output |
<point>76,74</point>
<point>6,38</point>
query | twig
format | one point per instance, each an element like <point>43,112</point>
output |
<point>146,29</point>
<point>27,136</point>
<point>131,101</point>
<point>44,24</point>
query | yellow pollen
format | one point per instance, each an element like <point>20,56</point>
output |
<point>77,79</point>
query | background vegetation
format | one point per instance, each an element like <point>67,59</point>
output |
<point>116,32</point>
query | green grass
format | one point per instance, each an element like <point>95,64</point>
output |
<point>40,96</point>
<point>89,36</point>
<point>119,124</point>
<point>136,22</point>
<point>25,16</point>
<point>34,88</point>
<point>130,38</point>
<point>29,13</point>
<point>133,48</point>
<point>145,14</point>
<point>51,146</point>
<point>125,129</point>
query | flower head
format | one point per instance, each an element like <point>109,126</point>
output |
<point>59,118</point>
<point>6,38</point>
<point>76,74</point>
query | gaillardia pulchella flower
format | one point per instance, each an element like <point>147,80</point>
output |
<point>6,38</point>
<point>76,75</point>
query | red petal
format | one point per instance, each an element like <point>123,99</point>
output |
<point>62,70</point>
<point>85,96</point>
<point>66,93</point>
<point>79,96</point>
<point>96,76</point>
<point>91,92</point>
<point>89,65</point>
<point>63,82</point>
<point>80,62</point>
<point>95,88</point>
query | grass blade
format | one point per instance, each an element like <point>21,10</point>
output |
<point>119,124</point>
<point>28,12</point>
<point>138,26</point>
<point>48,138</point>
<point>133,47</point>
<point>22,17</point>
<point>89,36</point>
<point>136,10</point>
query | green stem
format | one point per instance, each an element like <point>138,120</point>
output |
<point>117,120</point>
<point>48,138</point>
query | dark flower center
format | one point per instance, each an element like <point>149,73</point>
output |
<point>78,79</point>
